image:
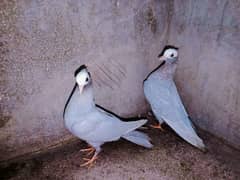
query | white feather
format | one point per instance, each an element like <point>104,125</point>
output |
<point>166,104</point>
<point>96,126</point>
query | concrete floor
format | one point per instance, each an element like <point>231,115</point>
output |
<point>171,158</point>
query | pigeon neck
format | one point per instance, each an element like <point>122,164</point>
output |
<point>86,99</point>
<point>167,70</point>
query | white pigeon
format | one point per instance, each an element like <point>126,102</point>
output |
<point>162,95</point>
<point>93,124</point>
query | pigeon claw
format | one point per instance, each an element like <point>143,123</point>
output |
<point>90,150</point>
<point>89,162</point>
<point>157,127</point>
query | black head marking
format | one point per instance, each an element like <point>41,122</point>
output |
<point>80,69</point>
<point>89,74</point>
<point>167,47</point>
<point>75,86</point>
<point>154,70</point>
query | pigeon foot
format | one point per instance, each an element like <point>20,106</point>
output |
<point>89,162</point>
<point>90,150</point>
<point>157,127</point>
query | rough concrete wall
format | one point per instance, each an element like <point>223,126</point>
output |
<point>208,75</point>
<point>43,42</point>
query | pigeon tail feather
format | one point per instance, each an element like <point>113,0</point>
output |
<point>138,138</point>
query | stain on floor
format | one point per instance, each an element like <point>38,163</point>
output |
<point>171,158</point>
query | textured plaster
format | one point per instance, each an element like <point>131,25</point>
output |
<point>43,42</point>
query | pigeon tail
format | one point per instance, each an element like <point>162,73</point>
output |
<point>198,143</point>
<point>188,134</point>
<point>138,138</point>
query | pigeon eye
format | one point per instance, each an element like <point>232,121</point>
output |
<point>86,79</point>
<point>172,55</point>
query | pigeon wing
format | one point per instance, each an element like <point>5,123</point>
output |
<point>166,104</point>
<point>103,127</point>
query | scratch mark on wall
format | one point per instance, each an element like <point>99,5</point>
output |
<point>113,73</point>
<point>101,77</point>
<point>170,11</point>
<point>220,28</point>
<point>108,74</point>
<point>120,67</point>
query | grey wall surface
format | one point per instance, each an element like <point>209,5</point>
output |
<point>208,75</point>
<point>43,42</point>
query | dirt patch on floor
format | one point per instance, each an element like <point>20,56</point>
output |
<point>171,158</point>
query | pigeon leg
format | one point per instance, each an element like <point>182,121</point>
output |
<point>157,127</point>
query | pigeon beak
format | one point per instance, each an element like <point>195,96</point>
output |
<point>162,58</point>
<point>81,89</point>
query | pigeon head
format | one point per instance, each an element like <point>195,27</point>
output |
<point>82,77</point>
<point>169,54</point>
